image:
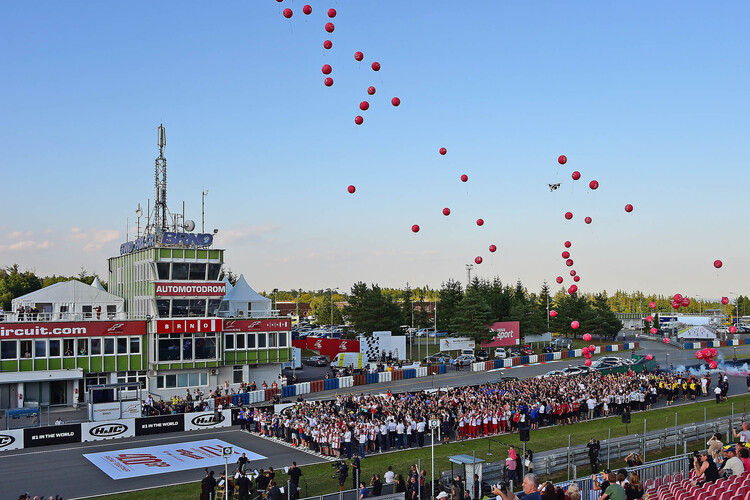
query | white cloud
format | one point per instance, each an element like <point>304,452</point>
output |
<point>245,233</point>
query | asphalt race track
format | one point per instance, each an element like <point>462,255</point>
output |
<point>63,470</point>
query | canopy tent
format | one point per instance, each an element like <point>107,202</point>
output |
<point>97,284</point>
<point>72,300</point>
<point>244,302</point>
<point>697,332</point>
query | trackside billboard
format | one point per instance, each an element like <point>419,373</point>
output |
<point>504,333</point>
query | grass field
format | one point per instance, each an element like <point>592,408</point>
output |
<point>317,478</point>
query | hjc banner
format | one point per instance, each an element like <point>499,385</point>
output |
<point>331,347</point>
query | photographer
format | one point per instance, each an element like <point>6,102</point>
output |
<point>530,488</point>
<point>342,472</point>
<point>594,449</point>
<point>705,467</point>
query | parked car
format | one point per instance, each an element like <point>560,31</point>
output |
<point>501,353</point>
<point>552,348</point>
<point>483,355</point>
<point>574,370</point>
<point>438,357</point>
<point>527,350</point>
<point>441,334</point>
<point>515,351</point>
<point>610,360</point>
<point>552,373</point>
<point>466,359</point>
<point>317,361</point>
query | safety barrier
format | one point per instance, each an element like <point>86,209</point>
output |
<point>410,373</point>
<point>442,369</point>
<point>397,375</point>
<point>433,369</point>
<point>303,388</point>
<point>317,385</point>
<point>346,381</point>
<point>614,348</point>
<point>557,355</point>
<point>422,371</point>
<point>478,366</point>
<point>533,358</point>
<point>270,393</point>
<point>360,379</point>
<point>549,356</point>
<point>330,384</point>
<point>288,391</point>
<point>516,361</point>
<point>372,378</point>
<point>384,376</point>
<point>564,354</point>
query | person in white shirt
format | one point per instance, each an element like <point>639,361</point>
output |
<point>732,464</point>
<point>389,475</point>
<point>420,433</point>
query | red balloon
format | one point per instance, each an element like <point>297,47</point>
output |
<point>478,260</point>
<point>567,244</point>
<point>713,351</point>
<point>559,279</point>
<point>576,278</point>
<point>587,220</point>
<point>725,300</point>
<point>442,151</point>
<point>718,264</point>
<point>493,248</point>
<point>587,337</point>
<point>569,262</point>
<point>562,159</point>
<point>677,297</point>
<point>576,175</point>
<point>574,325</point>
<point>375,66</point>
<point>395,101</point>
<point>592,348</point>
<point>652,305</point>
<point>327,44</point>
<point>565,254</point>
<point>675,305</point>
<point>706,352</point>
<point>371,90</point>
<point>553,313</point>
<point>594,184</point>
<point>573,289</point>
<point>326,69</point>
<point>446,211</point>
<point>685,302</point>
<point>415,228</point>
<point>713,364</point>
<point>733,329</point>
<point>359,56</point>
<point>699,354</point>
<point>572,272</point>
<point>649,357</point>
<point>358,120</point>
<point>364,105</point>
<point>654,330</point>
<point>666,339</point>
<point>628,208</point>
<point>480,222</point>
<point>288,13</point>
<point>331,13</point>
<point>568,215</point>
<point>464,178</point>
<point>585,351</point>
<point>330,27</point>
<point>279,1</point>
<point>328,81</point>
<point>587,362</point>
<point>307,10</point>
<point>649,318</point>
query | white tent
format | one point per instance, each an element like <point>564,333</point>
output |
<point>697,332</point>
<point>72,301</point>
<point>97,284</point>
<point>244,302</point>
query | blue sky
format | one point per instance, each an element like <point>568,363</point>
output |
<point>648,98</point>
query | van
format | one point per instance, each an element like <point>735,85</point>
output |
<point>563,343</point>
<point>354,360</point>
<point>467,352</point>
<point>501,353</point>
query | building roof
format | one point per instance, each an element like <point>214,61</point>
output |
<point>242,292</point>
<point>97,284</point>
<point>72,291</point>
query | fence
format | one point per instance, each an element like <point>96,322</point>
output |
<point>387,493</point>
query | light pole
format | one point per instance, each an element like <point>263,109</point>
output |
<point>469,267</point>
<point>700,304</point>
<point>736,302</point>
<point>331,290</point>
<point>275,291</point>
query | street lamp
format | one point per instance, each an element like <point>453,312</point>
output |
<point>275,291</point>
<point>700,304</point>
<point>331,290</point>
<point>737,302</point>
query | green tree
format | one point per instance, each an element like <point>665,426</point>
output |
<point>473,317</point>
<point>451,293</point>
<point>407,307</point>
<point>369,310</point>
<point>322,308</point>
<point>14,284</point>
<point>422,315</point>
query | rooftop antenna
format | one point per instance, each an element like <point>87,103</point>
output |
<point>160,184</point>
<point>139,213</point>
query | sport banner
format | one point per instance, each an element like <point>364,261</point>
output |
<point>150,460</point>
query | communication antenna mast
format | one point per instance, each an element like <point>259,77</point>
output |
<point>160,184</point>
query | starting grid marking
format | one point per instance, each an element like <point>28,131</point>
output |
<point>160,459</point>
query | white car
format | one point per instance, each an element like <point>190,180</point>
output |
<point>574,370</point>
<point>553,373</point>
<point>607,360</point>
<point>501,353</point>
<point>465,359</point>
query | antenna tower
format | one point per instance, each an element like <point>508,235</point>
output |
<point>160,184</point>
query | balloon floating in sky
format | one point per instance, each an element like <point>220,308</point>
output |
<point>359,56</point>
<point>587,362</point>
<point>677,297</point>
<point>573,289</point>
<point>328,81</point>
<point>699,354</point>
<point>480,222</point>
<point>330,27</point>
<point>565,254</point>
<point>666,339</point>
<point>415,228</point>
<point>326,69</point>
<point>375,66</point>
<point>464,178</point>
<point>493,248</point>
<point>569,262</point>
<point>568,215</point>
<point>652,305</point>
<point>559,279</point>
<point>364,105</point>
<point>576,175</point>
<point>649,318</point>
<point>327,44</point>
<point>446,211</point>
<point>594,184</point>
<point>331,13</point>
<point>351,189</point>
<point>371,90</point>
<point>478,260</point>
<point>358,120</point>
<point>288,13</point>
<point>572,272</point>
<point>628,208</point>
<point>562,159</point>
<point>732,329</point>
<point>718,264</point>
<point>307,10</point>
<point>713,364</point>
<point>576,278</point>
<point>725,300</point>
<point>592,348</point>
<point>587,220</point>
<point>552,313</point>
<point>442,151</point>
<point>587,337</point>
<point>574,325</point>
<point>395,101</point>
<point>685,302</point>
<point>649,357</point>
<point>567,244</point>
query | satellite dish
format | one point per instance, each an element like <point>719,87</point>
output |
<point>189,225</point>
<point>139,212</point>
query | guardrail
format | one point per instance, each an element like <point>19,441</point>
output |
<point>387,493</point>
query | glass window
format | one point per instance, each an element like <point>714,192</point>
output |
<point>9,349</point>
<point>261,340</point>
<point>229,341</point>
<point>180,308</point>
<point>197,308</point>
<point>193,379</point>
<point>162,307</point>
<point>283,339</point>
<point>169,350</point>
<point>122,345</point>
<point>204,378</point>
<point>179,271</point>
<point>160,382</point>
<point>83,347</point>
<point>182,380</point>
<point>111,311</point>
<point>187,347</point>
<point>197,272</point>
<point>240,341</point>
<point>69,346</point>
<point>271,339</point>
<point>213,306</point>
<point>109,346</point>
<point>135,345</point>
<point>205,347</point>
<point>87,311</point>
<point>171,381</point>
<point>213,272</point>
<point>96,346</point>
<point>40,348</point>
<point>251,341</point>
<point>54,348</point>
<point>237,375</point>
<point>162,268</point>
